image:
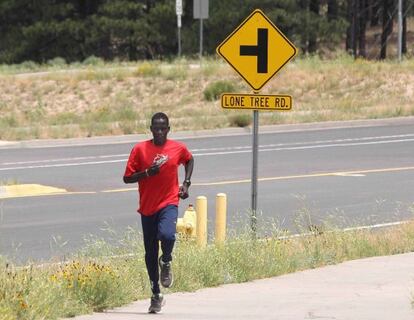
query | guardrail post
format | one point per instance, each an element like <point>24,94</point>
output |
<point>201,209</point>
<point>221,215</point>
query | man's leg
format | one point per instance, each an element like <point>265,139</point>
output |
<point>166,234</point>
<point>149,229</point>
<point>167,228</point>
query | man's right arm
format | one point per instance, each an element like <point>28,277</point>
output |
<point>139,175</point>
<point>135,177</point>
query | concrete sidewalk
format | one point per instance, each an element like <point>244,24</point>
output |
<point>369,289</point>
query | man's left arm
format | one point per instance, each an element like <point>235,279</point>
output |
<point>188,167</point>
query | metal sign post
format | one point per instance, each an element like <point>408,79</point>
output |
<point>179,12</point>
<point>257,50</point>
<point>200,11</point>
<point>400,27</point>
<point>201,37</point>
<point>253,223</point>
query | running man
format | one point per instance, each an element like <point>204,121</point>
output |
<point>154,165</point>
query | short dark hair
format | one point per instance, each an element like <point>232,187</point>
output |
<point>159,116</point>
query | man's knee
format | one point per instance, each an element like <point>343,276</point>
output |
<point>166,235</point>
<point>167,225</point>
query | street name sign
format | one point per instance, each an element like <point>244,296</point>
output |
<point>256,102</point>
<point>257,50</point>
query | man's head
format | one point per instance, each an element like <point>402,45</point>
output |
<point>159,128</point>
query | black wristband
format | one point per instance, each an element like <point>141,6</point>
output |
<point>187,182</point>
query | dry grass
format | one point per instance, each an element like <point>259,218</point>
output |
<point>102,100</point>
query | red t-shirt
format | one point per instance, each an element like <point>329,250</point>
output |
<point>158,191</point>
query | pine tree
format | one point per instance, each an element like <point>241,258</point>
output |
<point>387,25</point>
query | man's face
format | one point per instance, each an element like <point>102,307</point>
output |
<point>159,129</point>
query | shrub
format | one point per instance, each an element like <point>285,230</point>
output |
<point>93,61</point>
<point>65,118</point>
<point>175,73</point>
<point>240,120</point>
<point>56,62</point>
<point>9,121</point>
<point>126,113</point>
<point>214,90</point>
<point>29,65</point>
<point>147,69</point>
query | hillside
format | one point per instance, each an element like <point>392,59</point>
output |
<point>105,99</point>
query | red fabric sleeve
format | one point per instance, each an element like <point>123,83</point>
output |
<point>132,165</point>
<point>185,155</point>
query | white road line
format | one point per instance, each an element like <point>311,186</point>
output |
<point>368,227</point>
<point>307,142</point>
<point>306,147</point>
<point>311,175</point>
<point>62,165</point>
<point>344,174</point>
<point>66,159</point>
<point>216,149</point>
<point>238,150</point>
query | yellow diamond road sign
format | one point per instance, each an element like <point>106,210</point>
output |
<point>257,49</point>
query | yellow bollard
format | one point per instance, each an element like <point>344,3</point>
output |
<point>201,209</point>
<point>221,213</point>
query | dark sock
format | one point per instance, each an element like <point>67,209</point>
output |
<point>155,288</point>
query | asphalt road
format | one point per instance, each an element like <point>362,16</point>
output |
<point>348,173</point>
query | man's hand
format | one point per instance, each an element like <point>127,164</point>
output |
<point>153,170</point>
<point>183,193</point>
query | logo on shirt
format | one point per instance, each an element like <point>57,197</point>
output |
<point>160,159</point>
